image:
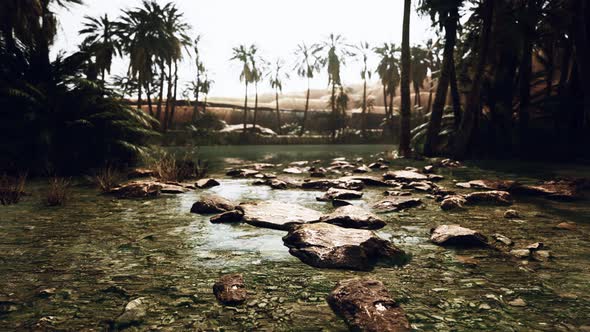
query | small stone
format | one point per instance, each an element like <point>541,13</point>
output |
<point>206,183</point>
<point>518,302</point>
<point>134,313</point>
<point>520,253</point>
<point>511,214</point>
<point>484,306</point>
<point>568,226</point>
<point>230,289</point>
<point>503,239</point>
<point>455,235</point>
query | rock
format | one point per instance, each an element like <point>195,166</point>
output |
<point>206,183</point>
<point>261,166</point>
<point>542,255</point>
<point>518,302</point>
<point>278,184</point>
<point>520,253</point>
<point>397,193</point>
<point>365,305</point>
<point>317,172</point>
<point>353,217</point>
<point>339,203</point>
<point>324,245</point>
<point>511,214</point>
<point>449,163</point>
<point>46,292</point>
<point>277,215</point>
<point>227,217</point>
<point>467,260</point>
<point>376,165</point>
<point>405,176</point>
<point>505,185</point>
<point>396,203</point>
<point>335,193</point>
<point>8,304</point>
<point>502,239</point>
<point>491,197</point>
<point>172,188</point>
<point>558,190</point>
<point>134,313</point>
<point>230,289</point>
<point>569,226</point>
<point>428,169</point>
<point>361,169</point>
<point>453,202</point>
<point>299,163</point>
<point>209,204</point>
<point>535,246</point>
<point>140,173</point>
<point>137,190</point>
<point>325,184</point>
<point>455,235</point>
<point>293,170</point>
<point>242,173</point>
<point>435,177</point>
<point>371,181</point>
<point>421,186</point>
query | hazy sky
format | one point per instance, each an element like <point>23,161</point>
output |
<point>276,27</point>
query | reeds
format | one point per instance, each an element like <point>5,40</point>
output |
<point>12,188</point>
<point>58,192</point>
<point>107,178</point>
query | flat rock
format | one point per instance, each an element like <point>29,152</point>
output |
<point>324,245</point>
<point>569,226</point>
<point>299,163</point>
<point>209,204</point>
<point>506,185</point>
<point>453,202</point>
<point>277,215</point>
<point>361,169</point>
<point>518,302</point>
<point>230,289</point>
<point>367,180</point>
<point>397,193</point>
<point>365,305</point>
<point>340,202</point>
<point>405,176</point>
<point>294,170</point>
<point>336,193</point>
<point>502,239</point>
<point>325,184</point>
<point>557,190</point>
<point>206,183</point>
<point>140,173</point>
<point>455,235</point>
<point>137,190</point>
<point>353,217</point>
<point>242,173</point>
<point>489,197</point>
<point>227,217</point>
<point>392,204</point>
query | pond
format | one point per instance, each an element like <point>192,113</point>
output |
<point>97,253</point>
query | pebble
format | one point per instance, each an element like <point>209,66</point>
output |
<point>518,302</point>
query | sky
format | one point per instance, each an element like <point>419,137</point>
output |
<point>276,27</point>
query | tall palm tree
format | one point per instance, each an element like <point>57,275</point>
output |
<point>199,77</point>
<point>336,52</point>
<point>420,66</point>
<point>446,13</point>
<point>101,38</point>
<point>308,63</point>
<point>242,54</point>
<point>277,77</point>
<point>363,49</point>
<point>258,66</point>
<point>389,73</point>
<point>404,144</point>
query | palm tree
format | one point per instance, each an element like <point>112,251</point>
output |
<point>363,50</point>
<point>420,66</point>
<point>473,107</point>
<point>447,13</point>
<point>336,51</point>
<point>258,66</point>
<point>102,40</point>
<point>276,82</point>
<point>404,144</point>
<point>308,63</point>
<point>389,73</point>
<point>200,72</point>
<point>242,54</point>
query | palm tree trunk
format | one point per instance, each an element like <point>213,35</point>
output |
<point>245,108</point>
<point>278,112</point>
<point>440,98</point>
<point>386,110</point>
<point>582,47</point>
<point>139,83</point>
<point>334,115</point>
<point>473,107</point>
<point>303,122</point>
<point>455,95</point>
<point>171,119</point>
<point>364,110</point>
<point>196,108</point>
<point>431,89</point>
<point>161,94</point>
<point>405,113</point>
<point>168,97</point>
<point>149,98</point>
<point>255,106</point>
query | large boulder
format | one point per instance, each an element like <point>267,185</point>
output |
<point>396,203</point>
<point>405,176</point>
<point>350,216</point>
<point>324,245</point>
<point>365,305</point>
<point>209,204</point>
<point>455,235</point>
<point>489,197</point>
<point>336,193</point>
<point>230,289</point>
<point>277,215</point>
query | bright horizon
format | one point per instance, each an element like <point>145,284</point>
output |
<point>275,27</point>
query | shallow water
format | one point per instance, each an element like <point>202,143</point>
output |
<point>158,250</point>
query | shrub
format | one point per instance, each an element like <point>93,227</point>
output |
<point>107,178</point>
<point>12,189</point>
<point>169,169</point>
<point>58,191</point>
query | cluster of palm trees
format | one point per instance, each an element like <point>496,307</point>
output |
<point>155,40</point>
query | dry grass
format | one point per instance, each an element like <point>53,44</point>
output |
<point>58,192</point>
<point>169,169</point>
<point>12,189</point>
<point>107,178</point>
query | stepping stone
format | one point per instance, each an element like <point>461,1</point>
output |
<point>206,183</point>
<point>335,193</point>
<point>209,204</point>
<point>396,203</point>
<point>365,305</point>
<point>490,197</point>
<point>230,289</point>
<point>277,215</point>
<point>455,235</point>
<point>324,245</point>
<point>351,216</point>
<point>405,176</point>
